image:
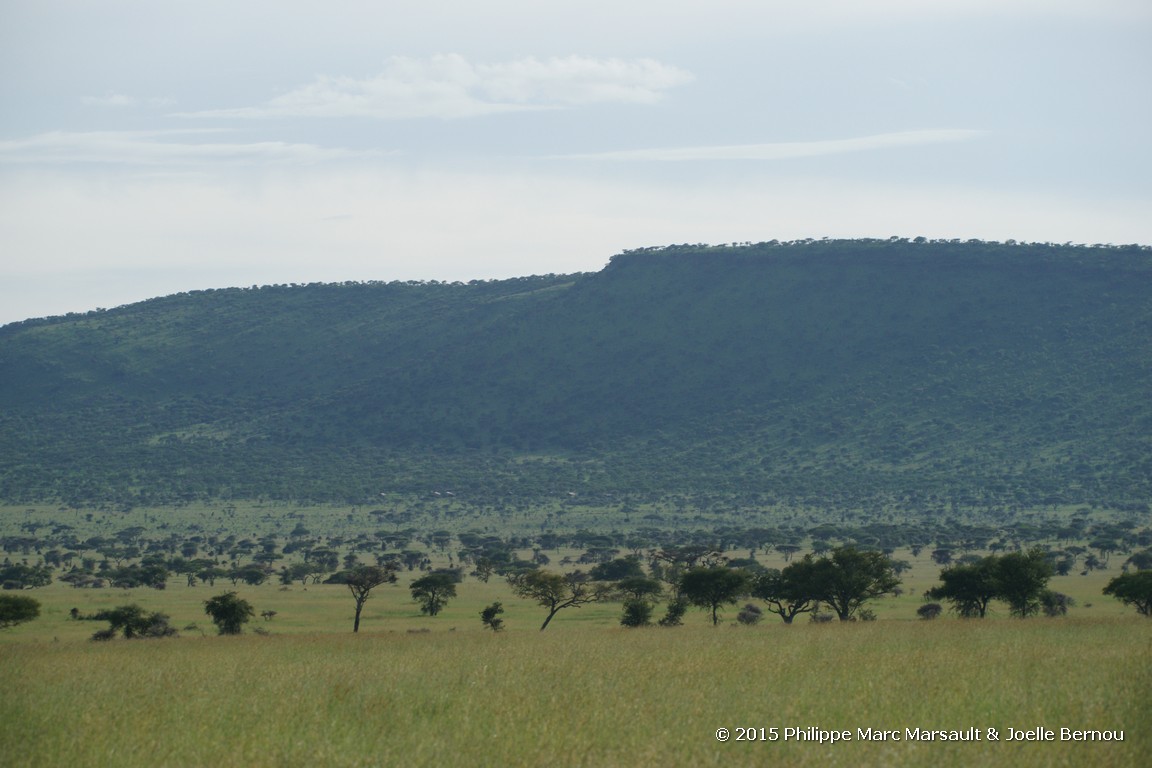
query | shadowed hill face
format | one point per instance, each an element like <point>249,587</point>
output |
<point>867,366</point>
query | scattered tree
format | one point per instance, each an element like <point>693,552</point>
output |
<point>711,588</point>
<point>17,609</point>
<point>133,622</point>
<point>674,613</point>
<point>1141,560</point>
<point>1021,578</point>
<point>229,613</point>
<point>637,613</point>
<point>1133,589</point>
<point>788,592</point>
<point>433,592</point>
<point>639,588</point>
<point>616,570</point>
<point>788,550</point>
<point>1055,603</point>
<point>848,577</point>
<point>361,581</point>
<point>929,611</point>
<point>21,576</point>
<point>554,591</point>
<point>489,617</point>
<point>969,588</point>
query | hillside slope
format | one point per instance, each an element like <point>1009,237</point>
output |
<point>839,372</point>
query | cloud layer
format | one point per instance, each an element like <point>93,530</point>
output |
<point>158,148</point>
<point>450,86</point>
<point>787,150</point>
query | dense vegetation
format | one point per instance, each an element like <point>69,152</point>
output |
<point>931,376</point>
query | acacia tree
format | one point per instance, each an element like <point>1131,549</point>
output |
<point>1133,589</point>
<point>133,622</point>
<point>639,588</point>
<point>361,581</point>
<point>554,591</point>
<point>711,588</point>
<point>490,617</point>
<point>1021,578</point>
<point>17,609</point>
<point>969,588</point>
<point>229,613</point>
<point>848,577</point>
<point>433,591</point>
<point>788,592</point>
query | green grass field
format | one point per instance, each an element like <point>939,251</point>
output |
<point>582,695</point>
<point>585,692</point>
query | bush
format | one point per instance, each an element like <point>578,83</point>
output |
<point>489,617</point>
<point>674,615</point>
<point>17,609</point>
<point>929,611</point>
<point>750,615</point>
<point>229,613</point>
<point>133,622</point>
<point>1055,604</point>
<point>637,613</point>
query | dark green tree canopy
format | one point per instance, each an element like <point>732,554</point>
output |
<point>849,577</point>
<point>433,592</point>
<point>17,609</point>
<point>555,591</point>
<point>617,570</point>
<point>1021,578</point>
<point>969,588</point>
<point>21,576</point>
<point>133,622</point>
<point>1133,589</point>
<point>229,612</point>
<point>712,588</point>
<point>1018,578</point>
<point>361,581</point>
<point>788,592</point>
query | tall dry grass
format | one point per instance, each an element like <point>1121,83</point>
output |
<point>580,694</point>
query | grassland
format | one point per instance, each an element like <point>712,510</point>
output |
<point>413,690</point>
<point>583,694</point>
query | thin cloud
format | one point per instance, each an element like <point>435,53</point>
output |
<point>449,86</point>
<point>786,150</point>
<point>110,100</point>
<point>120,100</point>
<point>156,148</point>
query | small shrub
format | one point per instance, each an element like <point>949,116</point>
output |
<point>1055,604</point>
<point>929,611</point>
<point>489,617</point>
<point>637,613</point>
<point>750,615</point>
<point>674,615</point>
<point>133,622</point>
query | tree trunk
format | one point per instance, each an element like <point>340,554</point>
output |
<point>356,623</point>
<point>550,615</point>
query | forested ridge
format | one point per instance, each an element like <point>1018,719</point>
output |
<point>945,374</point>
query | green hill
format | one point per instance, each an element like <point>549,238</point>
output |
<point>942,374</point>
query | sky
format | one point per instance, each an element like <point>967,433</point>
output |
<point>149,148</point>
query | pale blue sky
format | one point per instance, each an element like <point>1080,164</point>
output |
<point>150,147</point>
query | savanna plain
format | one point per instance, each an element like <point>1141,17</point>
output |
<point>410,689</point>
